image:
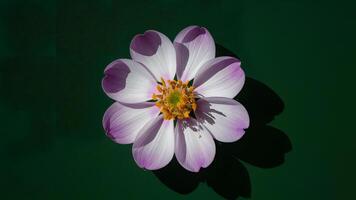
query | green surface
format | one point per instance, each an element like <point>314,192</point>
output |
<point>51,102</point>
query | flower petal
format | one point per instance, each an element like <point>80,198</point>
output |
<point>220,77</point>
<point>154,146</point>
<point>194,46</point>
<point>128,81</point>
<point>156,52</point>
<point>123,122</point>
<point>225,118</point>
<point>194,146</point>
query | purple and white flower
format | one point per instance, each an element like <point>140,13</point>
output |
<point>180,82</point>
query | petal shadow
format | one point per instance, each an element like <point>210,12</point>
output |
<point>177,178</point>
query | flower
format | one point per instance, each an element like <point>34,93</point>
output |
<point>174,99</point>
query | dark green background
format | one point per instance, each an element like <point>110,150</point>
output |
<point>52,60</point>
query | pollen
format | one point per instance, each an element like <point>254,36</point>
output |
<point>175,99</point>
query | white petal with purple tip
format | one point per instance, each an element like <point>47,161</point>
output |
<point>156,52</point>
<point>154,146</point>
<point>220,77</point>
<point>194,146</point>
<point>128,81</point>
<point>225,118</point>
<point>194,46</point>
<point>123,122</point>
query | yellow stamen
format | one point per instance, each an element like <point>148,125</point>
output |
<point>175,99</point>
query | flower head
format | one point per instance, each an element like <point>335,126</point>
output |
<point>182,82</point>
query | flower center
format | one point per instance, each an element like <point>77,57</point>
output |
<point>175,99</point>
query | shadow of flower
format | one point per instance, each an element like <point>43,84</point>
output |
<point>262,146</point>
